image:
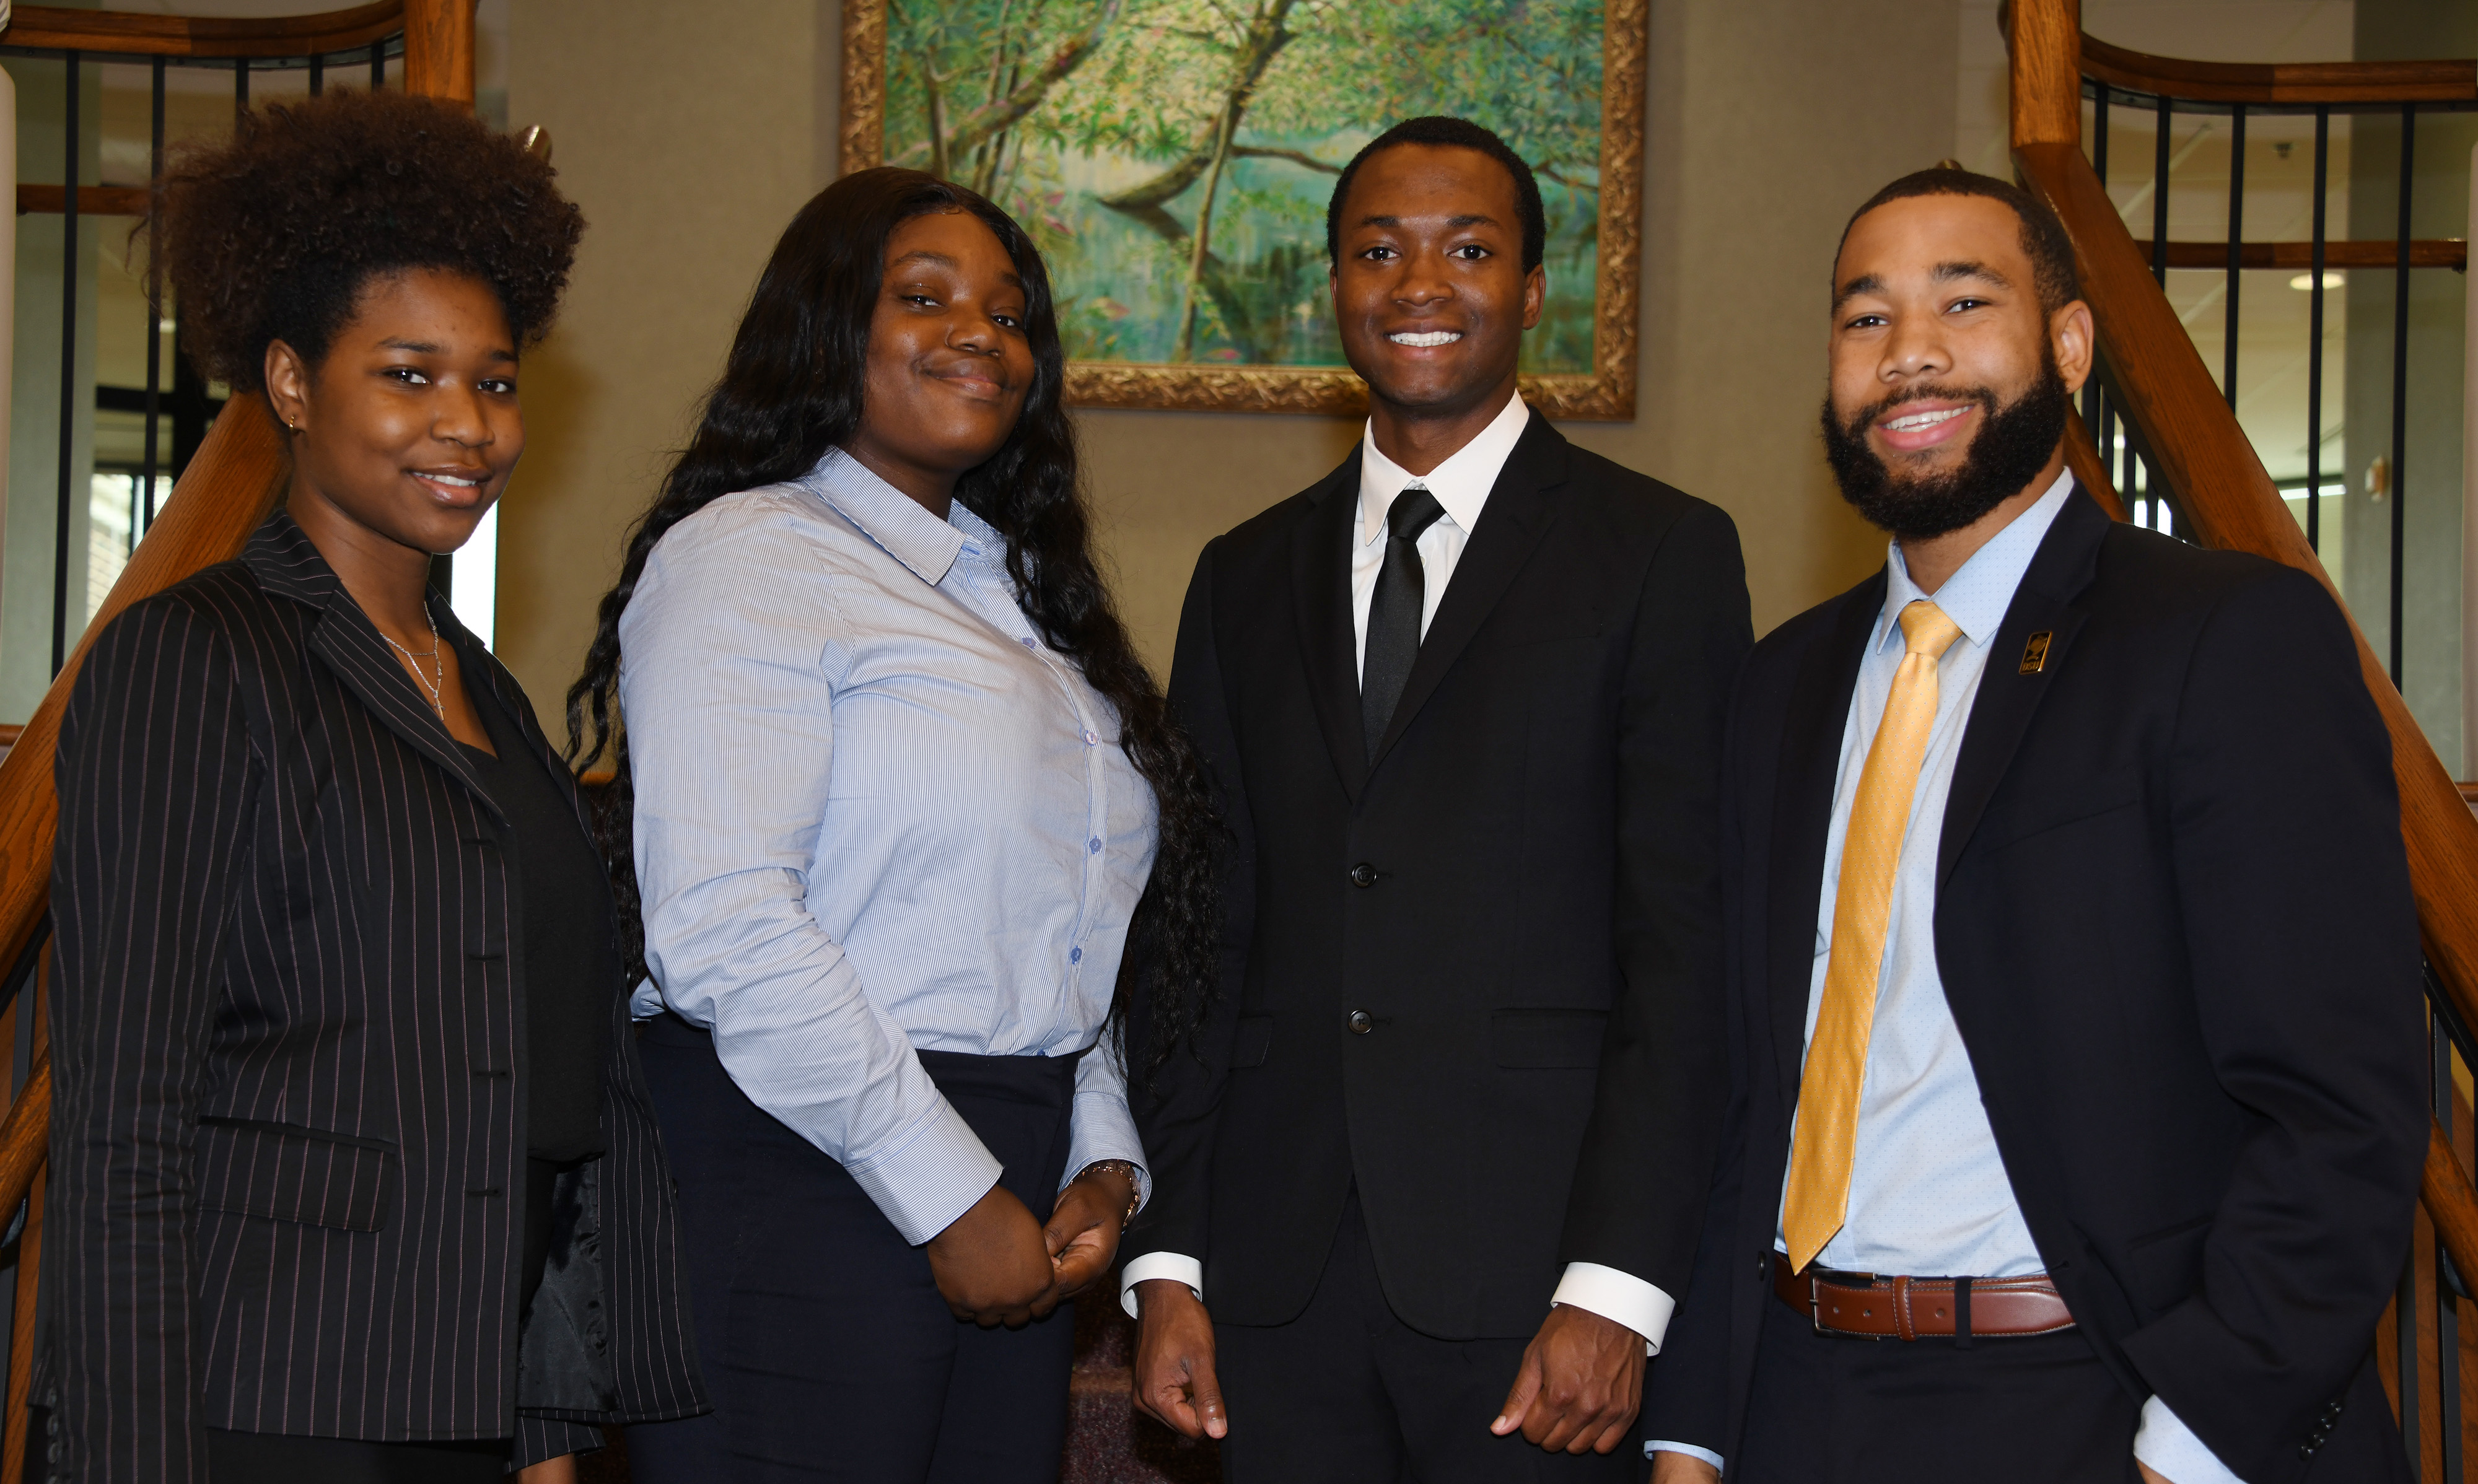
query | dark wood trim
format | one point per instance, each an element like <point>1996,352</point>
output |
<point>2279,82</point>
<point>130,33</point>
<point>92,200</point>
<point>2424,253</point>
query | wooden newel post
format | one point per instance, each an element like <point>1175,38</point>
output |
<point>2046,38</point>
<point>439,49</point>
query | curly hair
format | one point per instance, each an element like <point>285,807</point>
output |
<point>272,234</point>
<point>791,389</point>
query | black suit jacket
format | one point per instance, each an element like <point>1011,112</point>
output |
<point>1535,937</point>
<point>288,1136</point>
<point>2174,925</point>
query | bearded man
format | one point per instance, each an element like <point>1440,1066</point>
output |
<point>2078,1062</point>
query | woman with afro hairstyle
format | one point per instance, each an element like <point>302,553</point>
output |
<point>354,1177</point>
<point>904,803</point>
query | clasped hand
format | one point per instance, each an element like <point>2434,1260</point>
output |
<point>996,1264</point>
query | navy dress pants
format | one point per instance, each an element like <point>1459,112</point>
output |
<point>824,1345</point>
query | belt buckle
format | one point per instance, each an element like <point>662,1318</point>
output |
<point>1814,1281</point>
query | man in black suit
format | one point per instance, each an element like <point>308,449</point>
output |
<point>1447,1128</point>
<point>2078,1094</point>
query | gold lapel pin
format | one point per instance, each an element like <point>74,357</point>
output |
<point>2034,654</point>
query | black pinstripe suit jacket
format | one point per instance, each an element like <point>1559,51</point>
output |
<point>287,1135</point>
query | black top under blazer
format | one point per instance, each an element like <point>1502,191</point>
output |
<point>2174,925</point>
<point>1521,893</point>
<point>288,1139</point>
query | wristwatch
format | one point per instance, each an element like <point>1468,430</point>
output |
<point>1135,1182</point>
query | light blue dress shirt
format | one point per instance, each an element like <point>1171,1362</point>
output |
<point>1929,1195</point>
<point>875,812</point>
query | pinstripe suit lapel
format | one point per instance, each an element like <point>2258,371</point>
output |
<point>286,562</point>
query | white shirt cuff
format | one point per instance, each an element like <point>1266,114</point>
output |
<point>1620,1298</point>
<point>2172,1450</point>
<point>1178,1267</point>
<point>927,1180</point>
<point>1664,1445</point>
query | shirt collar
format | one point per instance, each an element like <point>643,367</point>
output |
<point>893,519</point>
<point>1461,484</point>
<point>1976,597</point>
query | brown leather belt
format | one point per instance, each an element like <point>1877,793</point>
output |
<point>1875,1308</point>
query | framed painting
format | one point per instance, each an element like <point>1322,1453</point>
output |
<point>1174,157</point>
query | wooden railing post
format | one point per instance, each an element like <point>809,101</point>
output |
<point>2047,61</point>
<point>439,49</point>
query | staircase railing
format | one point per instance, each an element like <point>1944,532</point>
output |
<point>228,486</point>
<point>2197,458</point>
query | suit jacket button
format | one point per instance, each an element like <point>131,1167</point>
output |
<point>1360,1023</point>
<point>1363,874</point>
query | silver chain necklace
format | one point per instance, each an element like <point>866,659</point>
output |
<point>414,662</point>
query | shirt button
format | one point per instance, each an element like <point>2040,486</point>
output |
<point>1363,874</point>
<point>1092,738</point>
<point>1360,1023</point>
<point>1093,847</point>
<point>1029,645</point>
<point>1076,955</point>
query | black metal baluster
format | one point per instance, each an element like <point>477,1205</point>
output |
<point>2236,245</point>
<point>2091,396</point>
<point>241,86</point>
<point>2160,197</point>
<point>317,73</point>
<point>378,65</point>
<point>154,319</point>
<point>2397,485</point>
<point>2405,1350</point>
<point>2314,335</point>
<point>69,373</point>
<point>2447,1278</point>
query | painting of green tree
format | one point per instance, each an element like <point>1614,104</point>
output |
<point>1174,157</point>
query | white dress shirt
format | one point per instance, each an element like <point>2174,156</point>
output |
<point>875,812</point>
<point>1929,1195</point>
<point>1461,484</point>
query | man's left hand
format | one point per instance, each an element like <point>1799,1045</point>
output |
<point>1083,1231</point>
<point>1580,1382</point>
<point>2150,1475</point>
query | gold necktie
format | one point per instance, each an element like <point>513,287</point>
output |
<point>1818,1197</point>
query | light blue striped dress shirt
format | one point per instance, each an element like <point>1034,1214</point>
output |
<point>875,812</point>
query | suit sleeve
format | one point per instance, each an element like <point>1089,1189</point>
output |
<point>1178,1097</point>
<point>1686,1392</point>
<point>1647,1157</point>
<point>157,786</point>
<point>2303,943</point>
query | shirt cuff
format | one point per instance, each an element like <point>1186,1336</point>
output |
<point>1178,1267</point>
<point>1664,1445</point>
<point>2172,1450</point>
<point>1620,1298</point>
<point>1100,1129</point>
<point>924,1182</point>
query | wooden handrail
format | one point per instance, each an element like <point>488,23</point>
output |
<point>134,32</point>
<point>229,487</point>
<point>2229,501</point>
<point>2279,82</point>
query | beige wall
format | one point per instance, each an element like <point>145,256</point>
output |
<point>1769,119</point>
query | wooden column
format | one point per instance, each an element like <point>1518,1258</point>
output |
<point>2047,46</point>
<point>439,49</point>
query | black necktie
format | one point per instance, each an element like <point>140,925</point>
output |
<point>1394,613</point>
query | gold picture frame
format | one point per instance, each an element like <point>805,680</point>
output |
<point>1606,393</point>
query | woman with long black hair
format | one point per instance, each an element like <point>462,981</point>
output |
<point>897,781</point>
